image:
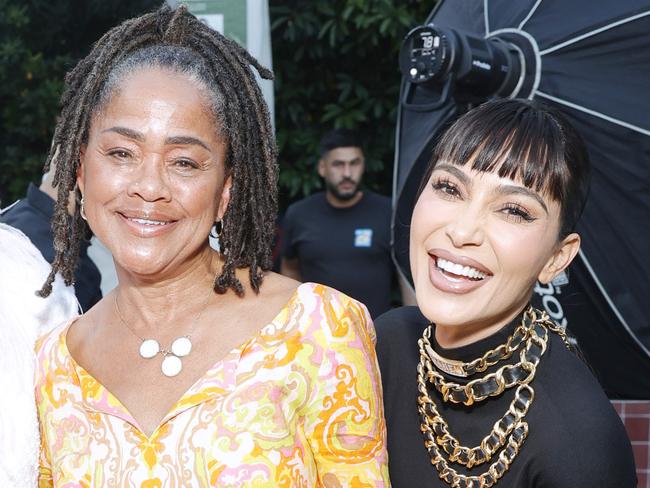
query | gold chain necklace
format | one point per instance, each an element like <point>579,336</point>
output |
<point>490,358</point>
<point>508,433</point>
<point>493,384</point>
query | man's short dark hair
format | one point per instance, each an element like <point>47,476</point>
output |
<point>339,138</point>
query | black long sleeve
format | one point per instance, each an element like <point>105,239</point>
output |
<point>575,438</point>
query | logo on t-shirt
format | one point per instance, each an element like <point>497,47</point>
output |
<point>363,238</point>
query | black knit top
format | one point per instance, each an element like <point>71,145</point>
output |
<point>575,438</point>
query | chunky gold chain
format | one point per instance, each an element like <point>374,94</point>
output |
<point>492,384</point>
<point>508,433</point>
<point>492,474</point>
<point>490,358</point>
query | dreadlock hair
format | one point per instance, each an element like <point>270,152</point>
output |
<point>174,39</point>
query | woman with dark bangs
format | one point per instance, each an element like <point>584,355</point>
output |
<point>480,388</point>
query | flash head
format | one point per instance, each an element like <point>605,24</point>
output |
<point>476,66</point>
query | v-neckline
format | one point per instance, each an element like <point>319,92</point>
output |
<point>97,397</point>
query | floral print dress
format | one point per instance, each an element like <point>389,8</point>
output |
<point>297,405</point>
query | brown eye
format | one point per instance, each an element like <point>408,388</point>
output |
<point>517,213</point>
<point>446,187</point>
<point>185,164</point>
<point>120,154</point>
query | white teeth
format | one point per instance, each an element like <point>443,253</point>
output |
<point>147,221</point>
<point>459,269</point>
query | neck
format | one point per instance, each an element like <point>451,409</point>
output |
<point>451,337</point>
<point>338,203</point>
<point>156,304</point>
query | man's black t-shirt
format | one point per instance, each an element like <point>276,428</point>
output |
<point>345,248</point>
<point>575,437</point>
<point>32,216</point>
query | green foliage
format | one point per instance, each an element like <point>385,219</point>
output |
<point>336,65</point>
<point>39,41</point>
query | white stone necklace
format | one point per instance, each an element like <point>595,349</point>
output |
<point>180,347</point>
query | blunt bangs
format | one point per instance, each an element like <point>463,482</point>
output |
<point>521,145</point>
<point>527,142</point>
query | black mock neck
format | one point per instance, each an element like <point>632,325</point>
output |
<point>480,347</point>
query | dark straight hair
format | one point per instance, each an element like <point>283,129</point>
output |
<point>522,140</point>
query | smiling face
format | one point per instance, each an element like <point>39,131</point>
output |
<point>153,173</point>
<point>478,244</point>
<point>342,169</point>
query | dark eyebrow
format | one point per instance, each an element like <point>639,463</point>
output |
<point>186,141</point>
<point>176,140</point>
<point>520,190</point>
<point>457,172</point>
<point>124,131</point>
<point>502,189</point>
<point>355,160</point>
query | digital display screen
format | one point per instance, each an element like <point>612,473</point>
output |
<point>426,42</point>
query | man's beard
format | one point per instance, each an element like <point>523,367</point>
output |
<point>336,193</point>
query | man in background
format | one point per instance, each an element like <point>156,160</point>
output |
<point>341,237</point>
<point>32,215</point>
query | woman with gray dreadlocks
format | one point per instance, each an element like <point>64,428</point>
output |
<point>201,368</point>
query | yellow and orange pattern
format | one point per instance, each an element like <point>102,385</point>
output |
<point>298,405</point>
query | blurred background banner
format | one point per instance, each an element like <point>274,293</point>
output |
<point>245,21</point>
<point>591,61</point>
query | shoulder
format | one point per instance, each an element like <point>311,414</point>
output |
<point>376,209</point>
<point>51,350</point>
<point>580,423</point>
<point>16,211</point>
<point>380,204</point>
<point>307,204</point>
<point>330,303</point>
<point>398,331</point>
<point>378,199</point>
<point>570,388</point>
<point>298,212</point>
<point>399,325</point>
<point>333,313</point>
<point>24,216</point>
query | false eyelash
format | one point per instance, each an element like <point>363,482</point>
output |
<point>443,184</point>
<point>519,212</point>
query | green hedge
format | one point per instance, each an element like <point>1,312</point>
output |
<point>40,41</point>
<point>335,63</point>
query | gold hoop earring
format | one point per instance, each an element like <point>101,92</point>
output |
<point>82,211</point>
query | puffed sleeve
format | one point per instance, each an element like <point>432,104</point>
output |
<point>344,418</point>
